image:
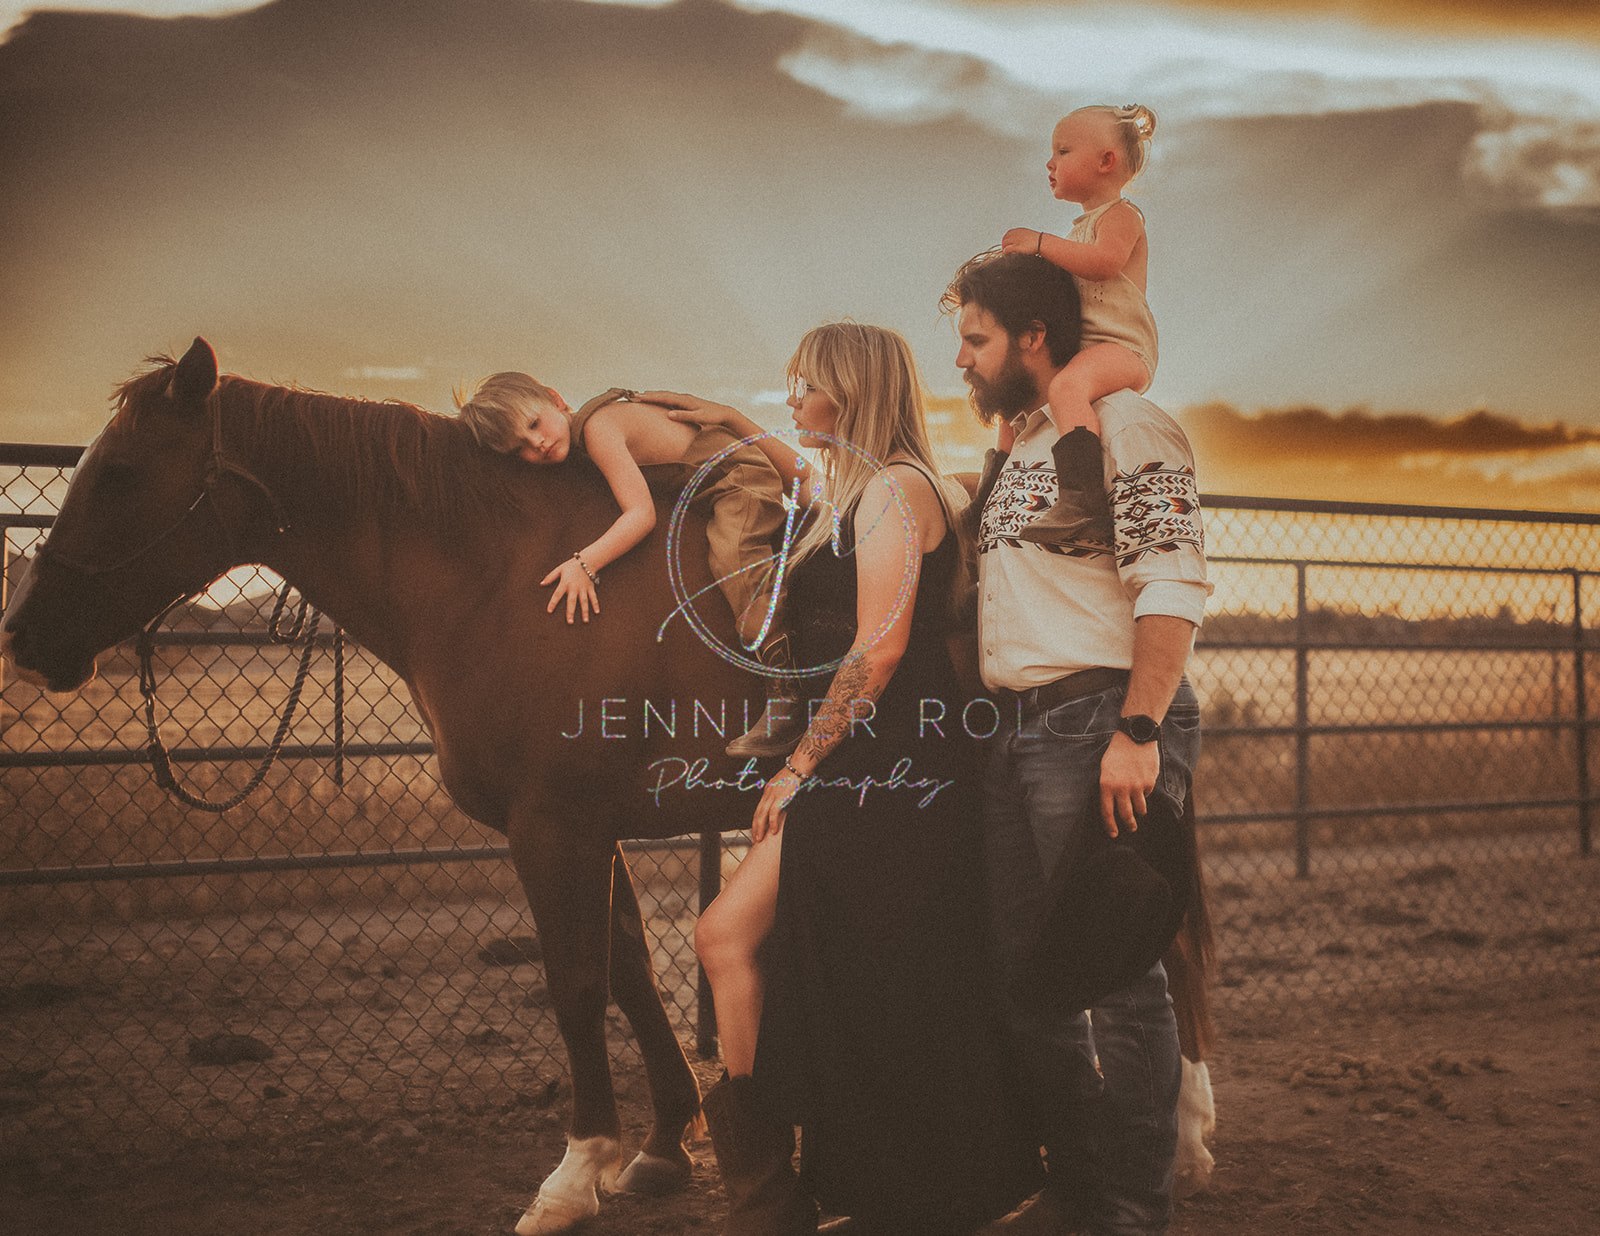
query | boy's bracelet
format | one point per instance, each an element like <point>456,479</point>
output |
<point>593,578</point>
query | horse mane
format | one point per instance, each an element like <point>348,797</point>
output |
<point>382,457</point>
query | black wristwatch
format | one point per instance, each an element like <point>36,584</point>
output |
<point>1140,728</point>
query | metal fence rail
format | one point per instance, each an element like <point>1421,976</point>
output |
<point>1396,792</point>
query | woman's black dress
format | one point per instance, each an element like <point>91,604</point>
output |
<point>876,1034</point>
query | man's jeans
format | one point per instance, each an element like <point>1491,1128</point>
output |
<point>1110,1132</point>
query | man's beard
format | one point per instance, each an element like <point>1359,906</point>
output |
<point>1013,389</point>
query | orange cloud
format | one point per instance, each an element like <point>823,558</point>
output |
<point>1480,459</point>
<point>1554,17</point>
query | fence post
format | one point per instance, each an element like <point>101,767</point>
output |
<point>705,1034</point>
<point>1302,739</point>
<point>1580,706</point>
<point>5,596</point>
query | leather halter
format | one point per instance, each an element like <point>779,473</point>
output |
<point>218,467</point>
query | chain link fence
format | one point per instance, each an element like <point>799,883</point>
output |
<point>1394,794</point>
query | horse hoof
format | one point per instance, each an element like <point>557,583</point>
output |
<point>571,1193</point>
<point>551,1216</point>
<point>652,1175</point>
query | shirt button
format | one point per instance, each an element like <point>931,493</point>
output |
<point>989,652</point>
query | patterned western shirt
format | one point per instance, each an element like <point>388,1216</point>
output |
<point>1047,611</point>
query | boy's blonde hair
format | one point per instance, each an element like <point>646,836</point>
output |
<point>871,376</point>
<point>1134,125</point>
<point>499,408</point>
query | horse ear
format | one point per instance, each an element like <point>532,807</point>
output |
<point>196,375</point>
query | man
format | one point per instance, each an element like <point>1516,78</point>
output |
<point>1088,641</point>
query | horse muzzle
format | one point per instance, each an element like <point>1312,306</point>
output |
<point>27,648</point>
<point>61,673</point>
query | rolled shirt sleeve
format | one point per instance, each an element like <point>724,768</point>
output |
<point>1155,510</point>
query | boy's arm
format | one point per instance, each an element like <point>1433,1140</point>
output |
<point>575,579</point>
<point>1119,231</point>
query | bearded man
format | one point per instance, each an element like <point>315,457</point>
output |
<point>1086,641</point>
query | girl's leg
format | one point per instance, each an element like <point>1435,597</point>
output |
<point>1081,515</point>
<point>1093,374</point>
<point>727,938</point>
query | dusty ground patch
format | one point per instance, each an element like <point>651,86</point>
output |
<point>1472,1114</point>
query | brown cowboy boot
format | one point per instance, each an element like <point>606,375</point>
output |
<point>1082,512</point>
<point>782,723</point>
<point>755,1150</point>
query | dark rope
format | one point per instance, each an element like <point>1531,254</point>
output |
<point>160,759</point>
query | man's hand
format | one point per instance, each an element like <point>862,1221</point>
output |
<point>1128,772</point>
<point>1021,240</point>
<point>1006,438</point>
<point>573,583</point>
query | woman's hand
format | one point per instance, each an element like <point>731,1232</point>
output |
<point>775,799</point>
<point>1021,240</point>
<point>690,409</point>
<point>573,583</point>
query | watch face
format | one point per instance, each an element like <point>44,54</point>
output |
<point>1140,729</point>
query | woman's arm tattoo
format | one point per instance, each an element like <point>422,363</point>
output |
<point>852,681</point>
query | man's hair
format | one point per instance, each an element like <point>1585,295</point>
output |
<point>1021,291</point>
<point>500,406</point>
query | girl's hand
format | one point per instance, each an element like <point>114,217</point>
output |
<point>690,409</point>
<point>573,583</point>
<point>1021,240</point>
<point>774,804</point>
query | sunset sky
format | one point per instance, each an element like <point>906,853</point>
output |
<point>1375,227</point>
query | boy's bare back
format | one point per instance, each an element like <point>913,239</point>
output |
<point>649,435</point>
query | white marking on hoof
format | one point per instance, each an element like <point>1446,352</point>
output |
<point>571,1193</point>
<point>652,1175</point>
<point>1197,1120</point>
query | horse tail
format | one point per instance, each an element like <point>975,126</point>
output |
<point>1190,958</point>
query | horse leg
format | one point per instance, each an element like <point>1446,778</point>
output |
<point>568,881</point>
<point>1197,1120</point>
<point>662,1165</point>
<point>1188,964</point>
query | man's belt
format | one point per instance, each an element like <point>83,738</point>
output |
<point>1074,686</point>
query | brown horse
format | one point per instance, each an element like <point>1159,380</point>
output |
<point>429,550</point>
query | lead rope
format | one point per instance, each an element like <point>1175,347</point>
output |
<point>160,759</point>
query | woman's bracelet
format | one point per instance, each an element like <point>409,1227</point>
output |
<point>798,774</point>
<point>593,578</point>
<point>1038,245</point>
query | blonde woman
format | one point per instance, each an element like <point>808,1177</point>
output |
<point>843,953</point>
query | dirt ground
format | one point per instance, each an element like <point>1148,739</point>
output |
<point>1470,1114</point>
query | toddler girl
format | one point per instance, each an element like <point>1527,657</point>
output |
<point>1095,152</point>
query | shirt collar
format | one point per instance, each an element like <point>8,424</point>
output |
<point>1026,422</point>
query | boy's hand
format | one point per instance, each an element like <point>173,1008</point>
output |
<point>572,582</point>
<point>690,409</point>
<point>1020,240</point>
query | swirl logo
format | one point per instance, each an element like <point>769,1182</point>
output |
<point>778,563</point>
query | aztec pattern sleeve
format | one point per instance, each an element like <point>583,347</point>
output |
<point>1155,513</point>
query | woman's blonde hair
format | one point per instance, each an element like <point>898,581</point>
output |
<point>871,376</point>
<point>499,408</point>
<point>1134,125</point>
